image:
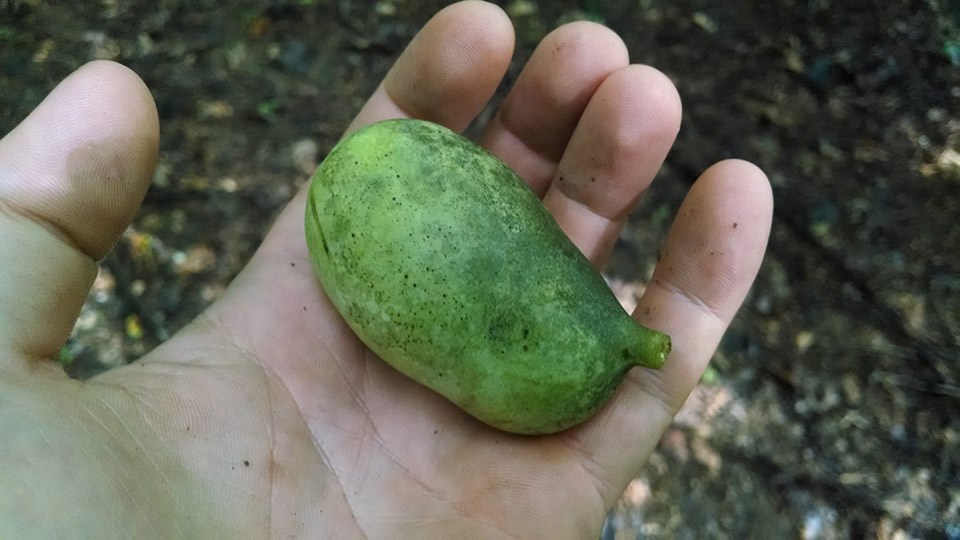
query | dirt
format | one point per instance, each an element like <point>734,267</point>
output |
<point>831,410</point>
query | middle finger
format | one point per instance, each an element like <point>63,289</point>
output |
<point>535,121</point>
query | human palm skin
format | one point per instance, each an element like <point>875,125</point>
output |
<point>266,417</point>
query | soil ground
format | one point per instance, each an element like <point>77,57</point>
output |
<point>831,410</point>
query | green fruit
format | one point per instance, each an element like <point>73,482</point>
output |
<point>446,265</point>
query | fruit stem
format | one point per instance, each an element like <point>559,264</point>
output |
<point>651,348</point>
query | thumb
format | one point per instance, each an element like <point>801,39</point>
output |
<point>72,175</point>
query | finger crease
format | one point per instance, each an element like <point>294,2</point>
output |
<point>693,300</point>
<point>544,162</point>
<point>14,210</point>
<point>608,220</point>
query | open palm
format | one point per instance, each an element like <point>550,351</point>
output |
<point>266,417</point>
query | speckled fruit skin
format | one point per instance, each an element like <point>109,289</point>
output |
<point>448,267</point>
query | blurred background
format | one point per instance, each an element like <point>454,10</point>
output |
<point>831,409</point>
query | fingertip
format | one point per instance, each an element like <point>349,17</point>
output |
<point>617,148</point>
<point>718,240</point>
<point>536,120</point>
<point>637,112</point>
<point>620,141</point>
<point>735,201</point>
<point>89,149</point>
<point>106,99</point>
<point>745,177</point>
<point>109,81</point>
<point>123,109</point>
<point>450,69</point>
<point>556,85</point>
<point>657,88</point>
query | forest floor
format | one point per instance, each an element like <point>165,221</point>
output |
<point>831,409</point>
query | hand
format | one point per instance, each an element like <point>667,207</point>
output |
<point>266,417</point>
